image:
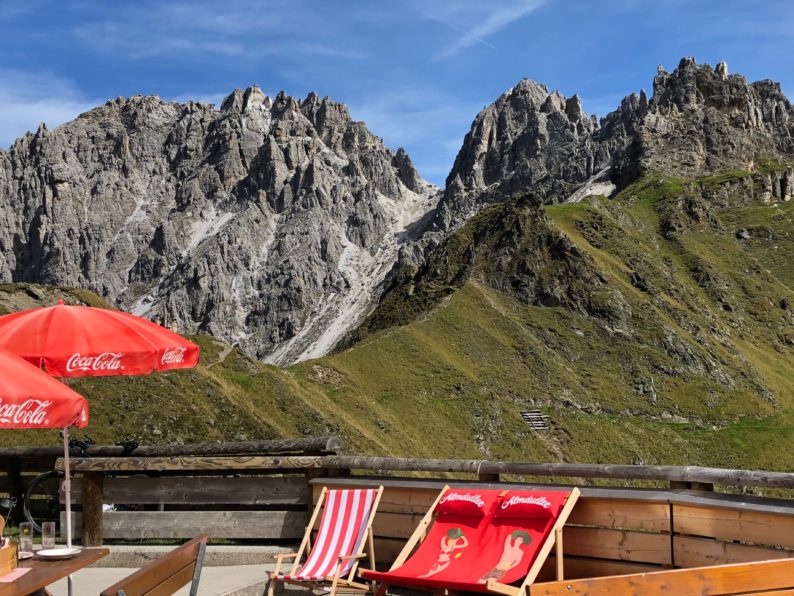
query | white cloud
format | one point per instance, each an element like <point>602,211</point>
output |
<point>476,20</point>
<point>237,28</point>
<point>28,99</point>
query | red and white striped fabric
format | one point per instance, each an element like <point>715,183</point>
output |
<point>342,532</point>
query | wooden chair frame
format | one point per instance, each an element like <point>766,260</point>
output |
<point>165,575</point>
<point>764,578</point>
<point>553,539</point>
<point>348,580</point>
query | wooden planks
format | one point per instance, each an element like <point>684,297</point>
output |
<point>780,507</point>
<point>721,580</point>
<point>621,513</point>
<point>138,525</point>
<point>734,524</point>
<point>689,551</point>
<point>203,490</point>
<point>395,499</point>
<point>621,545</point>
<point>581,567</point>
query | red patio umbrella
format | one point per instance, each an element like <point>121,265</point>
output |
<point>83,341</point>
<point>30,398</point>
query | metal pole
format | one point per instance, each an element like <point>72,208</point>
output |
<point>67,490</point>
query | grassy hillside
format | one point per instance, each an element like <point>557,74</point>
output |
<point>656,327</point>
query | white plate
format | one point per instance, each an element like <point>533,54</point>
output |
<point>22,556</point>
<point>58,553</point>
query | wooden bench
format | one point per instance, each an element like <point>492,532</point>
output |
<point>763,577</point>
<point>167,574</point>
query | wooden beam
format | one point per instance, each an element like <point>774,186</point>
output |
<point>192,463</point>
<point>92,499</point>
<point>558,543</point>
<point>687,474</point>
<point>722,579</point>
<point>318,445</point>
<point>202,490</point>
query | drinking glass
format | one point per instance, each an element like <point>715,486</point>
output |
<point>48,535</point>
<point>26,537</point>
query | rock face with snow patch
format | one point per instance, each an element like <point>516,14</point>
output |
<point>267,223</point>
<point>699,121</point>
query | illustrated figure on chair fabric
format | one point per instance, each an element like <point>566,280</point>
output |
<point>454,540</point>
<point>511,555</point>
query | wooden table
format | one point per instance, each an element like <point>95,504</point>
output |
<point>45,572</point>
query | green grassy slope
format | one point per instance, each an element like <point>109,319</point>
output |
<point>645,326</point>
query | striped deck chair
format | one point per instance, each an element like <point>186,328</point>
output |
<point>345,531</point>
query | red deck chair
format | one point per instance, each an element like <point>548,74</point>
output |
<point>345,531</point>
<point>482,540</point>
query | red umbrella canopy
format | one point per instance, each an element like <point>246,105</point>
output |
<point>82,341</point>
<point>30,398</point>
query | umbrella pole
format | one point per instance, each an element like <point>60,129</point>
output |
<point>67,489</point>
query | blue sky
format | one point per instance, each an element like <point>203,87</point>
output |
<point>417,71</point>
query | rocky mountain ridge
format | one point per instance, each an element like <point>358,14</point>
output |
<point>267,223</point>
<point>275,224</point>
<point>699,121</point>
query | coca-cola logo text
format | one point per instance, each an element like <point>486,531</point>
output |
<point>29,412</point>
<point>104,361</point>
<point>173,355</point>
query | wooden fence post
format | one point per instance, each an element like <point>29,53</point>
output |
<point>92,508</point>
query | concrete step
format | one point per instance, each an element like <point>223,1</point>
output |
<point>217,555</point>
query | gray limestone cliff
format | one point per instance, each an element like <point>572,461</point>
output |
<point>700,120</point>
<point>275,224</point>
<point>267,223</point>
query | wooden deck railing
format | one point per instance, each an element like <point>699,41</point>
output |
<point>263,491</point>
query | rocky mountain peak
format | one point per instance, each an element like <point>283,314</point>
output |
<point>527,139</point>
<point>700,120</point>
<point>268,223</point>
